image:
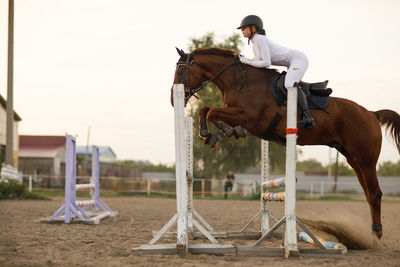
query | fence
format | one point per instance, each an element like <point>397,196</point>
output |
<point>313,185</point>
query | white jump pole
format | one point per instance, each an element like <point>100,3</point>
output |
<point>189,169</point>
<point>180,170</point>
<point>264,227</point>
<point>290,241</point>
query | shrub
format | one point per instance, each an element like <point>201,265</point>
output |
<point>11,190</point>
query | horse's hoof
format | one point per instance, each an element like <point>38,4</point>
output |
<point>217,146</point>
<point>377,229</point>
<point>206,140</point>
<point>212,140</point>
<point>239,132</point>
<point>229,132</point>
<point>379,234</point>
<point>203,133</point>
<point>225,128</point>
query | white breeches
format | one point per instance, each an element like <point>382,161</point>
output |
<point>296,70</point>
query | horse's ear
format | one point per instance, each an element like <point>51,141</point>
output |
<point>180,52</point>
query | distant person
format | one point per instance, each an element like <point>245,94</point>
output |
<point>229,180</point>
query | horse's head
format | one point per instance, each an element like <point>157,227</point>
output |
<point>188,74</point>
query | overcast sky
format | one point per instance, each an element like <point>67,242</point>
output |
<point>109,64</point>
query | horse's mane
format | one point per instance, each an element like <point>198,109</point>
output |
<point>215,51</point>
<point>226,53</point>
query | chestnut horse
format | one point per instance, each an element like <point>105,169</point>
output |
<point>248,105</point>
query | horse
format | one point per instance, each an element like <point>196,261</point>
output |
<point>249,107</point>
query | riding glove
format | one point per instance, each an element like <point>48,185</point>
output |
<point>244,59</point>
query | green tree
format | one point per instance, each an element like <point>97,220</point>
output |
<point>311,165</point>
<point>344,169</point>
<point>146,167</point>
<point>235,155</point>
<point>388,168</point>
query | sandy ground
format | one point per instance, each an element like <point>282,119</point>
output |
<point>26,242</point>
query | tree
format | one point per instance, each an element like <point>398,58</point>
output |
<point>388,168</point>
<point>146,166</point>
<point>311,166</point>
<point>235,155</point>
<point>344,169</point>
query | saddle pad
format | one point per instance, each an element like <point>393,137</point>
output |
<point>314,101</point>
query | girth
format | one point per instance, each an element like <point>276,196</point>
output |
<point>270,134</point>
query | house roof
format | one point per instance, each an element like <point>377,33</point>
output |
<point>40,146</point>
<point>3,103</point>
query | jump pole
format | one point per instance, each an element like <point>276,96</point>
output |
<point>184,172</point>
<point>290,242</point>
<point>194,218</point>
<point>264,212</point>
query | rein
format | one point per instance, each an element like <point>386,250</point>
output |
<point>189,92</point>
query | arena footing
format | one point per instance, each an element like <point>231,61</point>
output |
<point>228,249</point>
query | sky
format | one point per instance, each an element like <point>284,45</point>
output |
<point>108,65</point>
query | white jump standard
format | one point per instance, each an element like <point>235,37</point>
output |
<point>186,217</point>
<point>84,211</point>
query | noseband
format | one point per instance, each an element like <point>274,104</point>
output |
<point>189,92</point>
<point>188,59</point>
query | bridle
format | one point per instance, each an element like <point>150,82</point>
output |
<point>187,60</point>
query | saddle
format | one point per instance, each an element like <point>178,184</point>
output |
<point>317,93</point>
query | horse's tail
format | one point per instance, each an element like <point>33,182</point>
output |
<point>391,120</point>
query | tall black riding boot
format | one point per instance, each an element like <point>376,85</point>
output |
<point>307,120</point>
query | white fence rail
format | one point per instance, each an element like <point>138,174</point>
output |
<point>10,173</point>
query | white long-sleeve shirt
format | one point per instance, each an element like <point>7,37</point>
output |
<point>267,53</point>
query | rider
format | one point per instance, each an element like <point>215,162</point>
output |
<point>268,53</point>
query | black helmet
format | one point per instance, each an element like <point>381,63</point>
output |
<point>252,20</point>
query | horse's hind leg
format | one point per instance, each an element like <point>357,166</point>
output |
<point>368,179</point>
<point>374,196</point>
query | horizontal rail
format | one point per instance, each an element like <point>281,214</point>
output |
<point>274,183</point>
<point>278,196</point>
<point>82,203</point>
<point>85,186</point>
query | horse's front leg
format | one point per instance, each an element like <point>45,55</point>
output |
<point>238,131</point>
<point>207,137</point>
<point>228,120</point>
<point>203,121</point>
<point>203,112</point>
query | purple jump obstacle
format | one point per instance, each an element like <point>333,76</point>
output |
<point>78,211</point>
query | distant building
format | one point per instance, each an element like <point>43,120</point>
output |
<point>45,155</point>
<point>108,164</point>
<point>3,123</point>
<point>106,154</point>
<point>42,155</point>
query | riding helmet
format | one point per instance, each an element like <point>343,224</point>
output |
<point>252,20</point>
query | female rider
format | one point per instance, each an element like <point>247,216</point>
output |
<point>268,53</point>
